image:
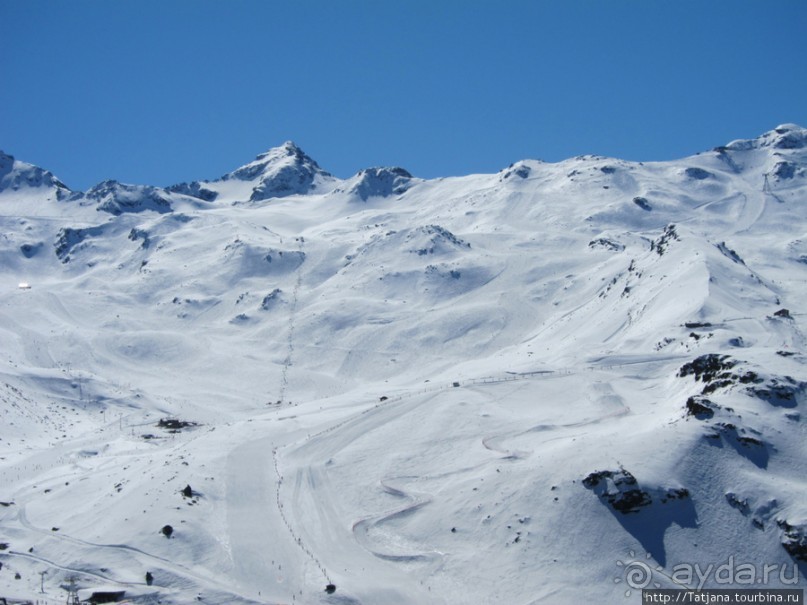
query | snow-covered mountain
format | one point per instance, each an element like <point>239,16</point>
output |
<point>280,172</point>
<point>522,387</point>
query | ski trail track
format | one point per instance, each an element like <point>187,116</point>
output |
<point>308,498</point>
<point>314,518</point>
<point>263,564</point>
<point>287,363</point>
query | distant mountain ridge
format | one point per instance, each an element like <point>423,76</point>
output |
<point>287,170</point>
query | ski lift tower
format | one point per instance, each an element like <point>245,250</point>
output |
<point>72,593</point>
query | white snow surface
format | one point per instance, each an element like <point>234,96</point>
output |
<point>403,387</point>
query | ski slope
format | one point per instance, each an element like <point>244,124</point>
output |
<point>496,388</point>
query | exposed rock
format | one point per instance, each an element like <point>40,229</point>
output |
<point>608,244</point>
<point>790,137</point>
<point>142,235</point>
<point>698,174</point>
<point>701,408</point>
<point>280,172</point>
<point>794,539</point>
<point>70,240</point>
<point>785,170</point>
<point>195,189</point>
<point>680,493</point>
<point>729,253</point>
<point>117,198</point>
<point>518,169</point>
<point>31,250</point>
<point>661,244</point>
<point>780,391</point>
<point>380,182</point>
<point>708,368</point>
<point>619,489</point>
<point>16,175</point>
<point>437,239</point>
<point>270,299</point>
<point>735,502</point>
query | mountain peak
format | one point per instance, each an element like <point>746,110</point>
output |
<point>784,136</point>
<point>117,198</point>
<point>18,176</point>
<point>287,149</point>
<point>280,172</point>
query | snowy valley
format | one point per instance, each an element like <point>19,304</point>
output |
<point>281,386</point>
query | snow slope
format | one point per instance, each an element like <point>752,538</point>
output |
<point>510,388</point>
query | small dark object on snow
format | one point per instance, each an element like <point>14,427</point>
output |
<point>187,492</point>
<point>383,398</point>
<point>107,596</point>
<point>330,588</point>
<point>167,530</point>
<point>149,578</point>
<point>783,313</point>
<point>174,424</point>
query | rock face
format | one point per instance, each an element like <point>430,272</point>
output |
<point>794,539</point>
<point>719,372</point>
<point>16,176</point>
<point>619,489</point>
<point>663,242</point>
<point>280,172</point>
<point>381,182</point>
<point>712,369</point>
<point>116,198</point>
<point>700,407</point>
<point>622,491</point>
<point>195,189</point>
<point>780,391</point>
<point>70,239</point>
<point>784,136</point>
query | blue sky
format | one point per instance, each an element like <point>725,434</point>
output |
<point>158,92</point>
